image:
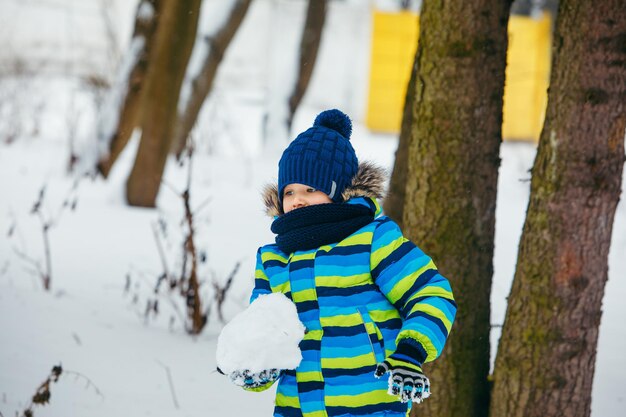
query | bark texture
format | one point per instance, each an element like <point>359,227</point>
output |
<point>309,46</point>
<point>453,160</point>
<point>174,41</point>
<point>130,108</point>
<point>547,352</point>
<point>201,85</point>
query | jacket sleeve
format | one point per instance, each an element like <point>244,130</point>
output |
<point>411,282</point>
<point>261,281</point>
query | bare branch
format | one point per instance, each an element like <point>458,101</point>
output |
<point>4,269</point>
<point>203,83</point>
<point>45,227</point>
<point>192,288</point>
<point>171,187</point>
<point>47,222</point>
<point>202,205</point>
<point>171,383</point>
<point>69,201</point>
<point>309,46</point>
<point>89,382</point>
<point>144,277</point>
<point>187,284</point>
<point>37,266</point>
<point>221,291</point>
<point>155,232</point>
<point>42,394</point>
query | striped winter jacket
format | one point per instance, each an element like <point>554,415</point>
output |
<point>356,298</point>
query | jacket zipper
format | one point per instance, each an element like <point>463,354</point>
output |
<point>368,335</point>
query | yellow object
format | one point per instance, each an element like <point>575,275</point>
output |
<point>527,77</point>
<point>394,44</point>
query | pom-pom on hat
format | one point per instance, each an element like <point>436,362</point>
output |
<point>321,156</point>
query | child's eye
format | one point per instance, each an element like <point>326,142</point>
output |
<point>311,190</point>
<point>288,193</point>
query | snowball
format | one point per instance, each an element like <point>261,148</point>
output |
<point>263,336</point>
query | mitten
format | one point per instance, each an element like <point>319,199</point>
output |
<point>406,379</point>
<point>254,380</point>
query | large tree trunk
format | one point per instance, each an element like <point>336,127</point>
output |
<point>453,161</point>
<point>202,84</point>
<point>547,352</point>
<point>173,45</point>
<point>309,46</point>
<point>128,110</point>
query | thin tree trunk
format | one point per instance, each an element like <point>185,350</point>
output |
<point>173,44</point>
<point>547,353</point>
<point>146,21</point>
<point>453,160</point>
<point>203,83</point>
<point>309,46</point>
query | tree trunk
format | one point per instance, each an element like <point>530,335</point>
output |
<point>309,46</point>
<point>173,44</point>
<point>453,160</point>
<point>202,84</point>
<point>547,352</point>
<point>128,111</point>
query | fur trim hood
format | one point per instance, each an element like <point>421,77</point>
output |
<point>369,181</point>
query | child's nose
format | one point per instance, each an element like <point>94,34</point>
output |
<point>298,202</point>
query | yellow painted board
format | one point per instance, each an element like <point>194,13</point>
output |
<point>527,77</point>
<point>394,42</point>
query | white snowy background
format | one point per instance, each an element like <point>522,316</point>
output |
<point>93,322</point>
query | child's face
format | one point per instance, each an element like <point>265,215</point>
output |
<point>300,195</point>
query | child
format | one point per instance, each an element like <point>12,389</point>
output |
<point>371,301</point>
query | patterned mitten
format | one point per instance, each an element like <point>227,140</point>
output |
<point>406,379</point>
<point>249,379</point>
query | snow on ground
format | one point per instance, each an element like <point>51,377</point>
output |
<point>90,325</point>
<point>93,323</point>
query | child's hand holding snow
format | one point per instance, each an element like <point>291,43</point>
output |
<point>260,341</point>
<point>249,379</point>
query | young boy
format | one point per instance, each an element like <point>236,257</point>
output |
<point>371,301</point>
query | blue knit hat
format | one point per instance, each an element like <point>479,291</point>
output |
<point>321,156</point>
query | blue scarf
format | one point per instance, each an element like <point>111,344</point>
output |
<point>310,227</point>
